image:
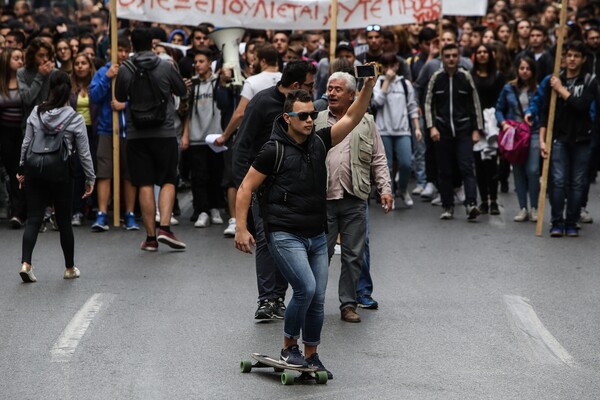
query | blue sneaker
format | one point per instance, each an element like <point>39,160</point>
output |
<point>556,231</point>
<point>130,223</point>
<point>100,225</point>
<point>292,356</point>
<point>571,231</point>
<point>366,301</point>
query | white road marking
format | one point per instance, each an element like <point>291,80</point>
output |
<point>537,341</point>
<point>69,339</point>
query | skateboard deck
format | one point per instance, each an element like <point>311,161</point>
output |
<point>263,361</point>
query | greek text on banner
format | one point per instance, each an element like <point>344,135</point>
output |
<point>294,14</point>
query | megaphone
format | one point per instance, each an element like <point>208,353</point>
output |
<point>228,41</point>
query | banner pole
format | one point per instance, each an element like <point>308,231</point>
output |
<point>115,117</point>
<point>550,127</point>
<point>333,32</point>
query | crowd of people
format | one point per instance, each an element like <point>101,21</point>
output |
<point>249,136</point>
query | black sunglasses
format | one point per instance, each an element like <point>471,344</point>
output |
<point>303,116</point>
<point>371,28</point>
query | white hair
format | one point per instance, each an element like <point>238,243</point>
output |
<point>350,80</point>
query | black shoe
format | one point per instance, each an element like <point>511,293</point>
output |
<point>278,307</point>
<point>314,362</point>
<point>264,310</point>
<point>494,209</point>
<point>484,208</point>
<point>472,212</point>
<point>292,356</point>
<point>194,216</point>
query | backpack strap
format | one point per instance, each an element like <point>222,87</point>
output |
<point>68,122</point>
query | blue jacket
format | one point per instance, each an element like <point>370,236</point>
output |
<point>101,94</point>
<point>507,106</point>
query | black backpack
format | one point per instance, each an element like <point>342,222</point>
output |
<point>147,103</point>
<point>48,155</point>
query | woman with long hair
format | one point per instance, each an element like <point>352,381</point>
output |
<point>11,136</point>
<point>81,79</point>
<point>519,39</point>
<point>514,98</point>
<point>397,110</point>
<point>32,78</point>
<point>489,83</point>
<point>64,55</point>
<point>54,114</point>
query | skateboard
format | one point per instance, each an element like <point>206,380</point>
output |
<point>287,378</point>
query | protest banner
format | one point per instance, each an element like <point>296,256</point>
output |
<point>295,14</point>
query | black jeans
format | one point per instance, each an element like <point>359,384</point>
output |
<point>449,152</point>
<point>487,177</point>
<point>11,139</point>
<point>206,168</point>
<point>39,195</point>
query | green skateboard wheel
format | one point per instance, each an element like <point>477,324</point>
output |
<point>245,366</point>
<point>321,377</point>
<point>287,379</point>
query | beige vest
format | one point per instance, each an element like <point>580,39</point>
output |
<point>361,150</point>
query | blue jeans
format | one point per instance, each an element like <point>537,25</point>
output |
<point>527,175</point>
<point>305,264</point>
<point>568,169</point>
<point>365,282</point>
<point>401,147</point>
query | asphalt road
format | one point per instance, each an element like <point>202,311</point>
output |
<point>467,311</point>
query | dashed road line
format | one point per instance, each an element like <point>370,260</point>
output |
<point>69,339</point>
<point>538,343</point>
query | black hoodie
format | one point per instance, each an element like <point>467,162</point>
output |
<point>296,199</point>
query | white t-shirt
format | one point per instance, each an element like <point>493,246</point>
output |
<point>258,82</point>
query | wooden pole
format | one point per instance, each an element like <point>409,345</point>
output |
<point>333,32</point>
<point>116,132</point>
<point>550,127</point>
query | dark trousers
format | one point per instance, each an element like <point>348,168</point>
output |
<point>348,217</point>
<point>431,169</point>
<point>270,281</point>
<point>206,169</point>
<point>449,152</point>
<point>11,139</point>
<point>569,173</point>
<point>487,177</point>
<point>39,195</point>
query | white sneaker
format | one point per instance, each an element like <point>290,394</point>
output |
<point>215,216</point>
<point>173,221</point>
<point>77,219</point>
<point>418,190</point>
<point>337,249</point>
<point>408,201</point>
<point>437,201</point>
<point>533,215</point>
<point>27,274</point>
<point>230,230</point>
<point>459,195</point>
<point>429,192</point>
<point>203,221</point>
<point>522,215</point>
<point>585,217</point>
<point>71,273</point>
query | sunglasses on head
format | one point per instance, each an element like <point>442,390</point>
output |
<point>303,116</point>
<point>372,28</point>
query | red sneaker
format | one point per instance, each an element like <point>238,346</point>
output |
<point>170,240</point>
<point>149,245</point>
